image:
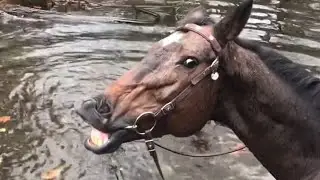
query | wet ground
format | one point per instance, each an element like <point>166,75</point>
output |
<point>47,65</point>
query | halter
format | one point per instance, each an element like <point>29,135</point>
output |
<point>169,107</point>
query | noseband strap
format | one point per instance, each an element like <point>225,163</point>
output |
<point>169,107</point>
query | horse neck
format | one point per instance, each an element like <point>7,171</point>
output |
<point>302,80</point>
<point>278,127</point>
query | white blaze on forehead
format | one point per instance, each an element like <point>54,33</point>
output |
<point>198,28</point>
<point>194,26</point>
<point>173,38</point>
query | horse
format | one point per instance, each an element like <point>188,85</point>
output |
<point>203,71</point>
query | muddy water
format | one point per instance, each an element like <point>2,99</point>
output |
<point>48,65</point>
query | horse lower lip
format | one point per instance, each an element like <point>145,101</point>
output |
<point>114,142</point>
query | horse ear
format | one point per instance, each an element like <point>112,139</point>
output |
<point>231,25</point>
<point>196,16</point>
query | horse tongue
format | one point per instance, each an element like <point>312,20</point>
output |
<point>98,138</point>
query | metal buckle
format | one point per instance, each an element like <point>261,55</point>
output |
<point>133,127</point>
<point>214,64</point>
<point>167,108</point>
<point>150,145</point>
<point>214,68</point>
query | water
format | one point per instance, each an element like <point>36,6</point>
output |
<point>47,65</point>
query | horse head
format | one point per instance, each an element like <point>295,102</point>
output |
<point>173,90</point>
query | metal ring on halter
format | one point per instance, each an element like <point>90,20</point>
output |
<point>140,117</point>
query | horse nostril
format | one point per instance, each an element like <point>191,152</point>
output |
<point>96,111</point>
<point>103,106</point>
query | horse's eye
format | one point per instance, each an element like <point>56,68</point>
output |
<point>190,63</point>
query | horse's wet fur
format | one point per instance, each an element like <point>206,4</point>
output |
<point>271,103</point>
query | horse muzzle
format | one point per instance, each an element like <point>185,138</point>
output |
<point>106,137</point>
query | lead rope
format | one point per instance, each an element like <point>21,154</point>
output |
<point>200,155</point>
<point>149,141</point>
<point>153,153</point>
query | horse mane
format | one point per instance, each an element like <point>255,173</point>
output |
<point>302,80</point>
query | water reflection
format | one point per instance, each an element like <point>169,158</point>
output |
<point>47,65</point>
